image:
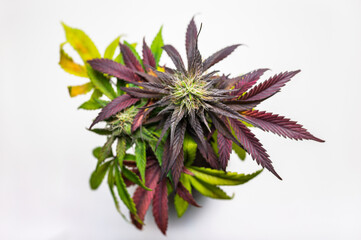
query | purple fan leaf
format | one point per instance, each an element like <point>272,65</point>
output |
<point>148,57</point>
<point>191,35</point>
<point>115,69</point>
<point>143,198</point>
<point>224,150</point>
<point>176,57</point>
<point>177,168</point>
<point>279,125</point>
<point>252,145</point>
<point>141,93</point>
<point>160,205</point>
<point>186,195</point>
<point>269,87</point>
<point>129,59</point>
<point>218,56</point>
<point>245,82</point>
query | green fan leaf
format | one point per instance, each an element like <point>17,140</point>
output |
<point>96,152</point>
<point>121,148</point>
<point>134,178</point>
<point>157,45</point>
<point>241,153</point>
<point>101,83</point>
<point>207,189</point>
<point>81,43</point>
<point>123,192</point>
<point>220,177</point>
<point>140,157</point>
<point>119,59</point>
<point>145,134</point>
<point>110,50</point>
<point>158,152</point>
<point>180,204</point>
<point>129,157</point>
<point>98,175</point>
<point>106,150</point>
<point>101,131</point>
<point>94,102</point>
<point>189,149</point>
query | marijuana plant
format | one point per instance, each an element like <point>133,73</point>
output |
<point>183,123</point>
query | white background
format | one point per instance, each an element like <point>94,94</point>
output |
<point>45,151</point>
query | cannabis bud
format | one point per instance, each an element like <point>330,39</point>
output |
<point>183,123</point>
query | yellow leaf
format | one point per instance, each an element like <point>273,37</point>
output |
<point>160,69</point>
<point>81,43</point>
<point>68,64</point>
<point>80,89</point>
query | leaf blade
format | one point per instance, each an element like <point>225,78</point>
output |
<point>140,157</point>
<point>156,46</point>
<point>101,83</point>
<point>219,177</point>
<point>110,50</point>
<point>81,43</point>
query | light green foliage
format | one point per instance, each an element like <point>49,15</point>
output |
<point>220,177</point>
<point>207,189</point>
<point>150,137</point>
<point>94,102</point>
<point>157,45</point>
<point>241,153</point>
<point>189,149</point>
<point>101,83</point>
<point>123,192</point>
<point>101,131</point>
<point>134,178</point>
<point>140,157</point>
<point>214,143</point>
<point>180,204</point>
<point>121,148</point>
<point>129,157</point>
<point>106,150</point>
<point>97,153</point>
<point>110,50</point>
<point>98,175</point>
<point>119,59</point>
<point>111,183</point>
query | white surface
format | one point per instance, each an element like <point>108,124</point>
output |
<point>45,151</point>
